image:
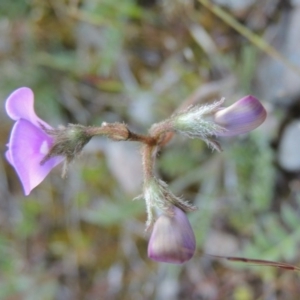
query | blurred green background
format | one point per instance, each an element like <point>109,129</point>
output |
<point>136,61</point>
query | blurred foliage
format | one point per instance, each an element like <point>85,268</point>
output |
<point>137,61</point>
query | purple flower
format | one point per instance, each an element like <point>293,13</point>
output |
<point>28,143</point>
<point>241,117</point>
<point>172,239</point>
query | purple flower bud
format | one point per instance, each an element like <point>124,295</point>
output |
<point>243,116</point>
<point>172,239</point>
<point>28,143</point>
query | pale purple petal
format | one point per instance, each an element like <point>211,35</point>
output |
<point>172,239</point>
<point>241,117</point>
<point>19,105</point>
<point>28,145</point>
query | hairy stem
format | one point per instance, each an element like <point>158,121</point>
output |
<point>148,161</point>
<point>119,132</point>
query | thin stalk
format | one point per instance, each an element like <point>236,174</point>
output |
<point>148,161</point>
<point>258,41</point>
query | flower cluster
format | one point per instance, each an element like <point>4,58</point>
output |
<point>172,239</point>
<point>35,148</point>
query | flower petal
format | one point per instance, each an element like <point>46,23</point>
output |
<point>19,105</point>
<point>28,145</point>
<point>241,117</point>
<point>172,239</point>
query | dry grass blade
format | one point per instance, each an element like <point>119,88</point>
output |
<point>258,262</point>
<point>248,34</point>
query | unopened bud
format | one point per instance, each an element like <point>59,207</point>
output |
<point>241,117</point>
<point>172,239</point>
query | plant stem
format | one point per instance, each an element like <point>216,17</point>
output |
<point>120,132</point>
<point>148,161</point>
